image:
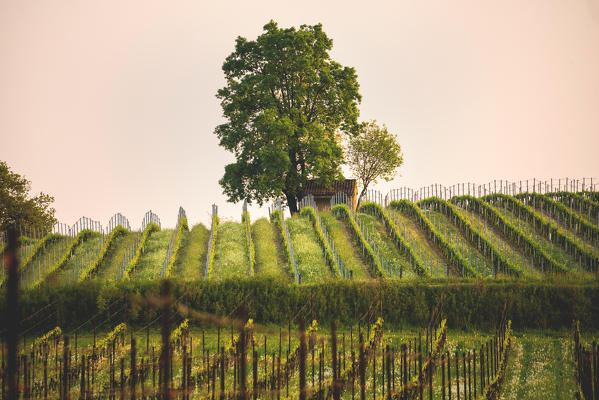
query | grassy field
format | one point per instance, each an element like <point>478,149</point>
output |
<point>346,246</point>
<point>230,254</point>
<point>150,263</point>
<point>111,263</point>
<point>308,252</point>
<point>540,367</point>
<point>269,254</point>
<point>386,245</point>
<point>191,260</point>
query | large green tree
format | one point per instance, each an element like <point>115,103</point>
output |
<point>17,207</point>
<point>287,105</point>
<point>374,153</point>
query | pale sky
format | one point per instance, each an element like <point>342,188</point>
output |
<point>110,105</point>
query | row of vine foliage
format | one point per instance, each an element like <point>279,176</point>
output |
<point>171,262</point>
<point>576,200</point>
<point>586,364</point>
<point>375,209</point>
<point>330,257</point>
<point>557,210</point>
<point>342,211</point>
<point>535,304</point>
<point>81,237</point>
<point>91,269</point>
<point>547,228</point>
<point>212,244</point>
<point>448,251</point>
<point>150,228</point>
<point>493,390</point>
<point>410,391</point>
<point>513,233</point>
<point>476,239</point>
<point>275,218</point>
<point>245,218</point>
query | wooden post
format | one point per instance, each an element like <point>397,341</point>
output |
<point>443,376</point>
<point>457,374</point>
<point>302,361</point>
<point>449,375</point>
<point>133,368</point>
<point>388,373</point>
<point>222,372</point>
<point>334,360</point>
<point>362,368</point>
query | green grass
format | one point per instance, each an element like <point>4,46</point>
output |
<point>192,253</point>
<point>346,246</point>
<point>150,263</point>
<point>540,367</point>
<point>270,259</point>
<point>112,261</point>
<point>386,246</point>
<point>230,254</point>
<point>83,255</point>
<point>308,252</point>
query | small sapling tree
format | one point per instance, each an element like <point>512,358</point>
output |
<point>373,154</point>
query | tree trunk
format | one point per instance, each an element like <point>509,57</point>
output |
<point>291,203</point>
<point>360,196</point>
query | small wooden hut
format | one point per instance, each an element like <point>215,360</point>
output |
<point>323,194</point>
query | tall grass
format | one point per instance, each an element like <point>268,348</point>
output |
<point>270,259</point>
<point>192,255</point>
<point>230,254</point>
<point>308,252</point>
<point>346,247</point>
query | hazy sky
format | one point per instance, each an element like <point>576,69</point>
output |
<point>110,105</point>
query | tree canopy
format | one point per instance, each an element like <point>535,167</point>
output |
<point>287,105</point>
<point>373,154</point>
<point>17,207</point>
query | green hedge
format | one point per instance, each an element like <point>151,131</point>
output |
<point>116,232</point>
<point>343,211</point>
<point>448,250</point>
<point>467,304</point>
<point>375,208</point>
<point>531,247</point>
<point>151,227</point>
<point>309,211</point>
<point>171,261</point>
<point>479,241</point>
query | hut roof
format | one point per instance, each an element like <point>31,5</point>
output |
<point>347,186</point>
